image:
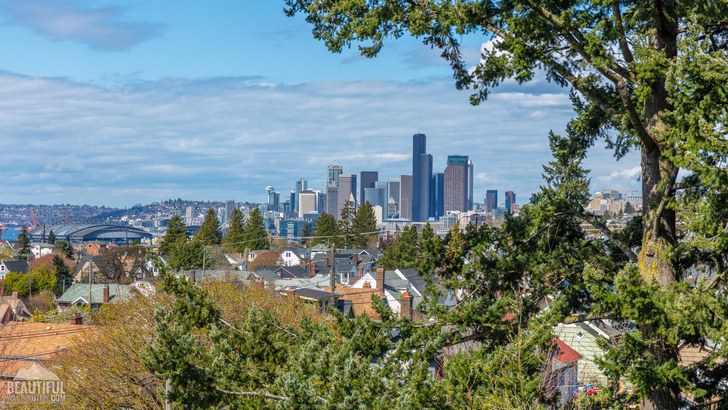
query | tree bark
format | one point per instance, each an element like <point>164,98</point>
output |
<point>658,179</point>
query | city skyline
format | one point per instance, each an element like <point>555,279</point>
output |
<point>219,102</point>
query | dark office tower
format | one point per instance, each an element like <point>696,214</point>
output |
<point>368,180</point>
<point>347,191</point>
<point>456,183</point>
<point>421,178</point>
<point>332,200</point>
<point>405,196</point>
<point>334,171</point>
<point>293,201</point>
<point>510,200</point>
<point>471,176</point>
<point>321,202</point>
<point>438,187</point>
<point>491,200</point>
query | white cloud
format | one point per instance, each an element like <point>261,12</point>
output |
<point>98,28</point>
<point>229,138</point>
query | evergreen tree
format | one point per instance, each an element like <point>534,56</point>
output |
<point>65,249</point>
<point>345,226</point>
<point>64,277</point>
<point>256,237</point>
<point>403,251</point>
<point>186,255</point>
<point>325,230</point>
<point>23,245</point>
<point>432,248</point>
<point>364,227</point>
<point>235,234</point>
<point>307,234</point>
<point>209,233</point>
<point>628,208</point>
<point>176,232</point>
<point>644,76</point>
<point>51,237</point>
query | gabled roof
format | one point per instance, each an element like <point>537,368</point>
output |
<point>313,294</point>
<point>293,272</point>
<point>79,292</point>
<point>565,353</point>
<point>17,266</point>
<point>298,251</point>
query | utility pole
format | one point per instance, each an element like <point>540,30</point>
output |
<point>332,274</point>
<point>204,254</point>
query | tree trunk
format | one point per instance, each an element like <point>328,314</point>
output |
<point>658,178</point>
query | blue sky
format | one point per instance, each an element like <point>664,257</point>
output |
<point>123,102</point>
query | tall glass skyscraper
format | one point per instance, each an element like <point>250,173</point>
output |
<point>421,178</point>
<point>368,180</point>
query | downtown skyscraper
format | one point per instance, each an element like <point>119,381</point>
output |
<point>421,179</point>
<point>457,184</point>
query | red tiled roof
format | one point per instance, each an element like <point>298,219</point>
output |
<point>566,354</point>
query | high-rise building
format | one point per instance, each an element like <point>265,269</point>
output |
<point>438,188</point>
<point>334,171</point>
<point>301,186</point>
<point>347,191</point>
<point>306,203</point>
<point>510,200</point>
<point>456,183</point>
<point>392,198</point>
<point>368,180</point>
<point>321,202</point>
<point>491,200</point>
<point>332,200</point>
<point>228,210</point>
<point>405,196</point>
<point>376,196</point>
<point>421,178</point>
<point>471,176</point>
<point>273,198</point>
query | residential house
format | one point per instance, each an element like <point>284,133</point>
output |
<point>12,309</point>
<point>316,297</point>
<point>294,256</point>
<point>97,294</point>
<point>13,266</point>
<point>583,337</point>
<point>94,248</point>
<point>561,376</point>
<point>41,249</point>
<point>44,342</point>
<point>87,266</point>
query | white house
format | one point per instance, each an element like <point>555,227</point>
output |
<point>294,256</point>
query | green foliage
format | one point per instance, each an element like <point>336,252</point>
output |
<point>176,232</point>
<point>37,280</point>
<point>403,251</point>
<point>186,255</point>
<point>345,226</point>
<point>364,227</point>
<point>325,230</point>
<point>209,233</point>
<point>64,276</point>
<point>23,245</point>
<point>235,236</point>
<point>256,237</point>
<point>65,249</point>
<point>51,237</point>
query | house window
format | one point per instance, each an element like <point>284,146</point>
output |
<point>580,335</point>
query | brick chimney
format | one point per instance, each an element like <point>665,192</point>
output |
<point>355,259</point>
<point>367,285</point>
<point>107,297</point>
<point>326,262</point>
<point>77,320</point>
<point>191,276</point>
<point>380,281</point>
<point>405,306</point>
<point>312,269</point>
